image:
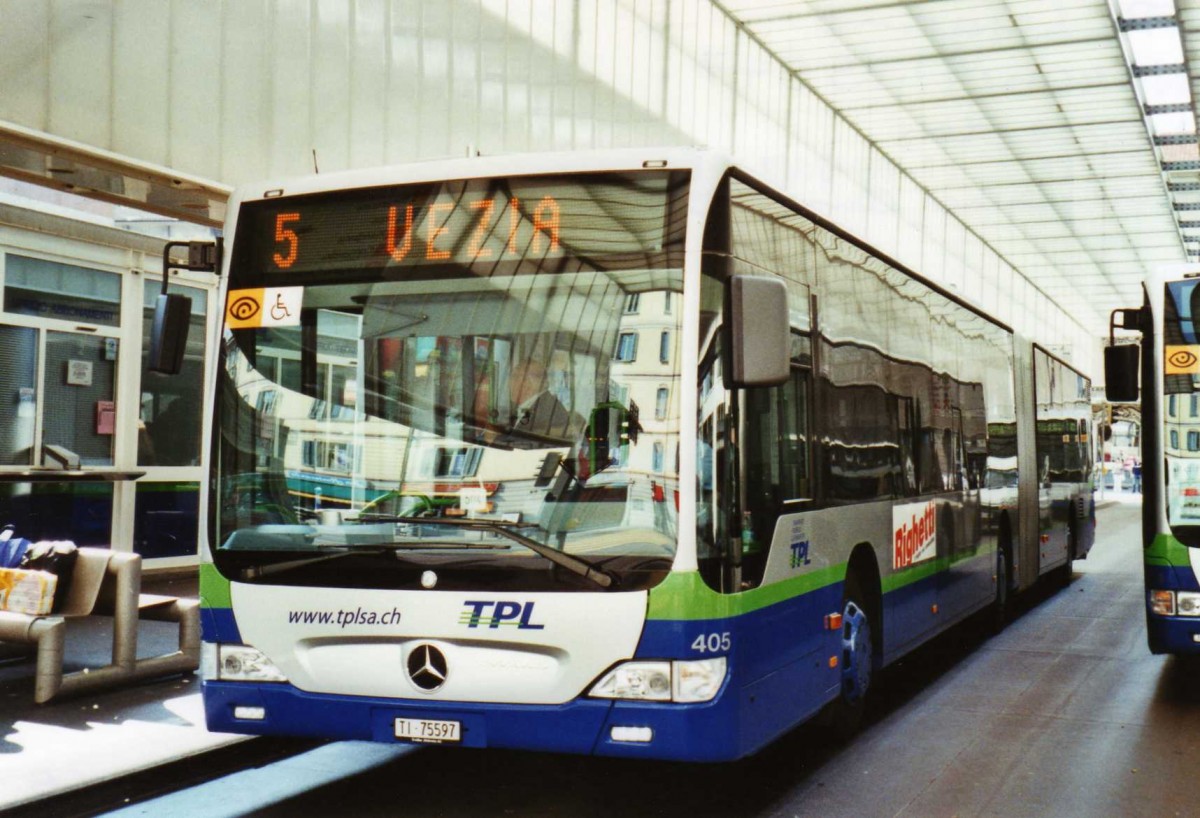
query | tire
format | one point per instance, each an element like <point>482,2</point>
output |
<point>857,662</point>
<point>1065,572</point>
<point>999,612</point>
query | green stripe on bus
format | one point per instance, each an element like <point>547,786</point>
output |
<point>184,487</point>
<point>685,596</point>
<point>1166,551</point>
<point>214,588</point>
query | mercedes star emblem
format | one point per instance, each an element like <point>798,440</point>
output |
<point>427,667</point>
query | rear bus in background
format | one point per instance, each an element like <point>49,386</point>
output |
<point>635,456</point>
<point>1165,370</point>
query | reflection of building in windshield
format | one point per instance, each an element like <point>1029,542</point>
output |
<point>417,406</point>
<point>1182,449</point>
<point>645,374</point>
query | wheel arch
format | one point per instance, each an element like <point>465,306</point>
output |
<point>1004,543</point>
<point>864,567</point>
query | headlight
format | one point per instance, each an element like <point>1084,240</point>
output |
<point>645,681</point>
<point>1187,603</point>
<point>662,681</point>
<point>241,663</point>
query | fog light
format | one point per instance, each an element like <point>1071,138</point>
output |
<point>1162,603</point>
<point>639,735</point>
<point>249,713</point>
<point>698,680</point>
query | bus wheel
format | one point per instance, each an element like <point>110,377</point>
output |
<point>999,615</point>
<point>1066,572</point>
<point>858,655</point>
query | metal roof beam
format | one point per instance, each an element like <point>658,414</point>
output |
<point>1158,70</point>
<point>1173,108</point>
<point>984,186</point>
<point>967,163</point>
<point>784,18</point>
<point>1177,139</point>
<point>1145,23</point>
<point>1049,91</point>
<point>993,131</point>
<point>974,52</point>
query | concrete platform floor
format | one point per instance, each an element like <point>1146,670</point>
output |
<point>73,742</point>
<point>1065,713</point>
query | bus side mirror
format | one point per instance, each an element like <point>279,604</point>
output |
<point>1121,372</point>
<point>169,332</point>
<point>1121,361</point>
<point>760,341</point>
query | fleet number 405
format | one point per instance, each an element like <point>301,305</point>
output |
<point>712,643</point>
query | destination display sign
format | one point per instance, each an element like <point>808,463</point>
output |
<point>465,222</point>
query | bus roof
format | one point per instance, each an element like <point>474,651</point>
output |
<point>474,167</point>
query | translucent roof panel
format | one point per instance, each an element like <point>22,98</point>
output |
<point>1026,120</point>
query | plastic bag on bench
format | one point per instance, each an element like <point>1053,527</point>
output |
<point>56,557</point>
<point>12,549</point>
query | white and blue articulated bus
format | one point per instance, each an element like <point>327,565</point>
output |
<point>1169,381</point>
<point>621,453</point>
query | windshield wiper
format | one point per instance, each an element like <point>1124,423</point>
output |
<point>572,563</point>
<point>256,571</point>
<point>336,551</point>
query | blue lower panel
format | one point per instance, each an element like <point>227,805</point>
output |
<point>584,726</point>
<point>1172,634</point>
<point>779,657</point>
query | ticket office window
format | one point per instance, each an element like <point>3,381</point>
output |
<point>72,408</point>
<point>58,385</point>
<point>79,413</point>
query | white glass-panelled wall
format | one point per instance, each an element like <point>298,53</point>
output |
<point>237,91</point>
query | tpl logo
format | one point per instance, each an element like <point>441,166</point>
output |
<point>512,614</point>
<point>800,554</point>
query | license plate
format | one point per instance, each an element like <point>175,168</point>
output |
<point>428,730</point>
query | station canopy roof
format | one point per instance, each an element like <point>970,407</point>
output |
<point>1061,133</point>
<point>83,170</point>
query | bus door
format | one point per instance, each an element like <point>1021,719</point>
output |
<point>776,464</point>
<point>962,581</point>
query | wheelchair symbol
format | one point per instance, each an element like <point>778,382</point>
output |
<point>279,310</point>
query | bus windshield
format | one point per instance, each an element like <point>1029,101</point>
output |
<point>435,383</point>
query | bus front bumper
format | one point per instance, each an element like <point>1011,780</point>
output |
<point>1173,634</point>
<point>584,726</point>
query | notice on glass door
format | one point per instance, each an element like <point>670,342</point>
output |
<point>79,373</point>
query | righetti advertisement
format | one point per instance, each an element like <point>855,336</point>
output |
<point>914,533</point>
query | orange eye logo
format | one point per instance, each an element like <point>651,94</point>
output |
<point>244,308</point>
<point>1182,359</point>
